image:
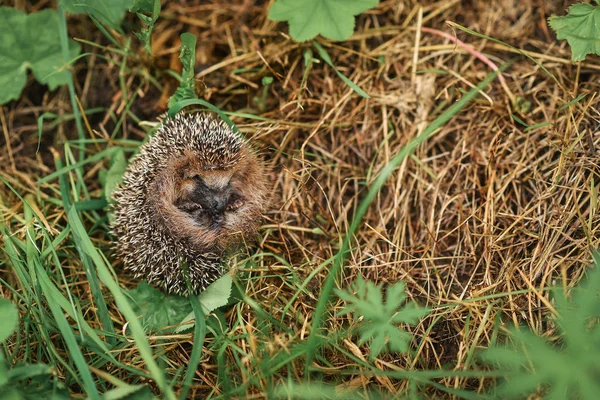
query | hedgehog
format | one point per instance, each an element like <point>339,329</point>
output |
<point>194,193</point>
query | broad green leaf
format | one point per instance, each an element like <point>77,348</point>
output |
<point>9,317</point>
<point>30,42</point>
<point>109,12</point>
<point>214,296</point>
<point>115,173</point>
<point>380,319</point>
<point>333,19</point>
<point>157,309</point>
<point>581,28</point>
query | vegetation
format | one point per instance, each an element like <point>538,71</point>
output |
<point>435,200</point>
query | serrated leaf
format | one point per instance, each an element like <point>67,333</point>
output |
<point>109,12</point>
<point>334,19</point>
<point>157,309</point>
<point>569,364</point>
<point>380,319</point>
<point>146,6</point>
<point>10,319</point>
<point>187,86</point>
<point>31,42</point>
<point>214,296</point>
<point>581,28</point>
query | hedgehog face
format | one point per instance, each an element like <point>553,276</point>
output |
<point>210,198</point>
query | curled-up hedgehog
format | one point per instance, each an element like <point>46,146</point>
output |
<point>193,194</point>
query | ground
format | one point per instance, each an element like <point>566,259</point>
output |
<point>494,207</point>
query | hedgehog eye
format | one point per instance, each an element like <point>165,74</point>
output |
<point>199,181</point>
<point>234,202</point>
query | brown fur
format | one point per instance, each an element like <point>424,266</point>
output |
<point>174,184</point>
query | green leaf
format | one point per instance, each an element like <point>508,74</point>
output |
<point>581,28</point>
<point>572,366</point>
<point>380,319</point>
<point>142,6</point>
<point>30,42</point>
<point>34,381</point>
<point>158,311</point>
<point>26,371</point>
<point>109,12</point>
<point>333,19</point>
<point>214,296</point>
<point>9,317</point>
<point>114,176</point>
<point>187,86</point>
<point>3,371</point>
<point>146,6</point>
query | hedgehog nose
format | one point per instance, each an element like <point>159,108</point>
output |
<point>217,212</point>
<point>219,206</point>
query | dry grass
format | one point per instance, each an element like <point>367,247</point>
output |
<point>479,222</point>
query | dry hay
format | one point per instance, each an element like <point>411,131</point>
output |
<point>485,216</point>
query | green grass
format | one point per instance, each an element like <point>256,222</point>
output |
<point>79,328</point>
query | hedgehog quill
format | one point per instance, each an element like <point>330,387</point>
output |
<point>193,194</point>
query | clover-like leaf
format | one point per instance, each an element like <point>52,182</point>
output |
<point>171,313</point>
<point>214,296</point>
<point>333,19</point>
<point>110,12</point>
<point>567,369</point>
<point>30,42</point>
<point>157,309</point>
<point>581,28</point>
<point>381,319</point>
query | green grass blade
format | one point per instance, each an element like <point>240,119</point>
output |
<point>364,205</point>
<point>64,46</point>
<point>323,54</point>
<point>121,300</point>
<point>199,335</point>
<point>90,271</point>
<point>482,36</point>
<point>70,340</point>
